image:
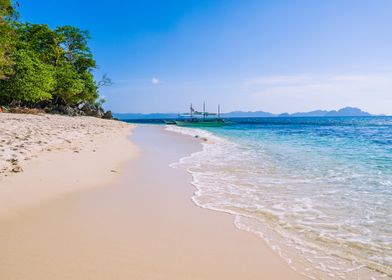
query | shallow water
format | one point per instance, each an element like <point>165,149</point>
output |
<point>318,190</point>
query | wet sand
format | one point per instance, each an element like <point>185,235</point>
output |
<point>144,226</point>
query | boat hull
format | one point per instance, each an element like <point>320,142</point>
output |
<point>201,123</point>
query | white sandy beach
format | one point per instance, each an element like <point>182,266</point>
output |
<point>69,216</point>
<point>46,156</point>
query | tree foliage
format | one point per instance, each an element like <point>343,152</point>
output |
<point>38,63</point>
<point>6,48</point>
<point>76,52</point>
<point>69,85</point>
<point>6,8</point>
<point>33,80</point>
<point>6,38</point>
<point>42,40</point>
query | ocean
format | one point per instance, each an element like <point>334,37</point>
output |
<point>317,190</point>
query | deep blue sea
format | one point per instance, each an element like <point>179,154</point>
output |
<point>317,190</point>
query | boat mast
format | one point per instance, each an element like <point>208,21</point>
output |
<point>204,110</point>
<point>191,109</point>
<point>218,111</point>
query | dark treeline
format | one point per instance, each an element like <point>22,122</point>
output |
<point>40,66</point>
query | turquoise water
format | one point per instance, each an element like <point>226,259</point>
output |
<point>318,190</point>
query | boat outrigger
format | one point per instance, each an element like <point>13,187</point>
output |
<point>200,119</point>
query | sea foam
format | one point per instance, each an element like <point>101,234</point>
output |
<point>301,215</point>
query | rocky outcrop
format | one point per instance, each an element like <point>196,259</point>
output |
<point>81,109</point>
<point>91,110</point>
<point>108,115</point>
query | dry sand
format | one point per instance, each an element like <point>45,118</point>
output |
<point>144,226</point>
<point>45,156</point>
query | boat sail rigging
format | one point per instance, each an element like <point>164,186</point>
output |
<point>196,118</point>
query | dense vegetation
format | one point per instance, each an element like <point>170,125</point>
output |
<point>41,66</point>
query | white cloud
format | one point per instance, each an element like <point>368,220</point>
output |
<point>155,81</point>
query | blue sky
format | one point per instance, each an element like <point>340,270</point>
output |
<point>275,55</point>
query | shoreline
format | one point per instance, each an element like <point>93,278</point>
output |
<point>207,196</point>
<point>138,227</point>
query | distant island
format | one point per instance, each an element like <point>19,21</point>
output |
<point>344,112</point>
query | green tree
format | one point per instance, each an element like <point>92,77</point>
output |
<point>75,82</point>
<point>7,45</point>
<point>7,38</point>
<point>76,51</point>
<point>31,82</point>
<point>90,90</point>
<point>6,8</point>
<point>69,85</point>
<point>43,41</point>
<point>38,63</point>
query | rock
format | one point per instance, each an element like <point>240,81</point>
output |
<point>91,110</point>
<point>67,110</point>
<point>108,115</point>
<point>81,109</point>
<point>100,113</point>
<point>81,105</point>
<point>17,169</point>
